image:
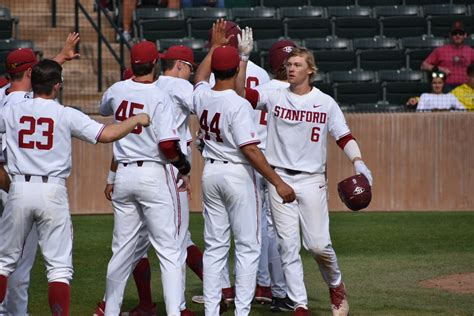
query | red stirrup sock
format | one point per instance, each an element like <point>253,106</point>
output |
<point>59,297</point>
<point>142,276</point>
<point>194,260</point>
<point>3,287</point>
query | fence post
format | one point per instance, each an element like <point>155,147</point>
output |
<point>76,21</point>
<point>53,13</point>
<point>99,52</point>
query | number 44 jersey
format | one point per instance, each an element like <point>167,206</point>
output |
<point>128,98</point>
<point>227,123</point>
<point>38,135</point>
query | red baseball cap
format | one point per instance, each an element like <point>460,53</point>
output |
<point>20,59</point>
<point>457,26</point>
<point>278,53</point>
<point>143,52</point>
<point>127,73</point>
<point>224,58</point>
<point>231,28</point>
<point>179,52</point>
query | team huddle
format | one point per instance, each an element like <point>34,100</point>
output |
<point>264,145</point>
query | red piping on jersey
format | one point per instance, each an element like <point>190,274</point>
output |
<point>178,201</point>
<point>254,179</point>
<point>252,96</point>
<point>168,148</point>
<point>145,82</point>
<point>252,142</point>
<point>99,133</point>
<point>341,142</point>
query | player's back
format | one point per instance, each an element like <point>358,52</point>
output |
<point>226,121</point>
<point>128,98</point>
<point>38,136</point>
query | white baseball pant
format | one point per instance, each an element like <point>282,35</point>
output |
<point>230,203</point>
<point>46,205</point>
<point>310,214</point>
<point>143,194</point>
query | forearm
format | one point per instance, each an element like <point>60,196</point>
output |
<point>241,76</point>
<point>116,131</point>
<point>427,66</point>
<point>352,151</point>
<point>258,161</point>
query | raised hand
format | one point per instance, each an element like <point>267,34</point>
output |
<point>245,43</point>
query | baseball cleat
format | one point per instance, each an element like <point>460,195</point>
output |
<point>263,294</point>
<point>141,311</point>
<point>301,311</point>
<point>284,304</point>
<point>187,312</point>
<point>339,304</point>
<point>100,309</point>
<point>198,299</point>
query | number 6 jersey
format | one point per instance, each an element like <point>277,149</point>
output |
<point>38,136</point>
<point>128,98</point>
<point>226,121</point>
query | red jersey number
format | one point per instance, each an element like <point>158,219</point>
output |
<point>263,118</point>
<point>124,112</point>
<point>251,82</point>
<point>30,128</point>
<point>315,134</point>
<point>212,127</point>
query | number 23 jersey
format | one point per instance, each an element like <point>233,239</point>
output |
<point>298,126</point>
<point>226,122</point>
<point>128,98</point>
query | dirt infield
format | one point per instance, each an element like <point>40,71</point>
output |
<point>456,283</point>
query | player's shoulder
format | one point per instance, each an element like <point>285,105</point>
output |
<point>257,71</point>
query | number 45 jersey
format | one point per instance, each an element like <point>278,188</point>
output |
<point>227,123</point>
<point>38,135</point>
<point>128,98</point>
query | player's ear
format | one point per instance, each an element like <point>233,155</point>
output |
<point>28,72</point>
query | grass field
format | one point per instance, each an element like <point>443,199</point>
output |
<point>383,256</point>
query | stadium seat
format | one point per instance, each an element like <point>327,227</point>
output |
<point>349,11</point>
<point>304,27</point>
<point>319,77</point>
<point>444,9</point>
<point>415,57</point>
<point>358,92</point>
<point>324,87</point>
<point>6,29</point>
<point>193,43</point>
<point>353,27</point>
<point>375,42</point>
<point>298,12</point>
<point>401,75</point>
<point>3,58</point>
<point>440,25</point>
<point>462,2</point>
<point>400,92</point>
<point>199,55</point>
<point>396,10</point>
<point>162,28</point>
<point>400,26</point>
<point>352,76</point>
<point>263,27</point>
<point>199,28</point>
<point>205,13</point>
<point>254,12</point>
<point>326,3</point>
<point>329,60</point>
<point>377,107</point>
<point>156,13</point>
<point>284,3</point>
<point>469,41</point>
<point>422,42</point>
<point>375,59</point>
<point>373,3</point>
<point>241,3</point>
<point>7,45</point>
<point>328,43</point>
<point>424,2</point>
<point>266,44</point>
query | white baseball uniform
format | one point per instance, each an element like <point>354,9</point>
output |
<point>230,195</point>
<point>143,191</point>
<point>255,75</point>
<point>16,300</point>
<point>38,138</point>
<point>270,272</point>
<point>298,126</point>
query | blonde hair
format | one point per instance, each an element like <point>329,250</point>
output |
<point>308,56</point>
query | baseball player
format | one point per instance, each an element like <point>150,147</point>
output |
<point>143,187</point>
<point>18,65</point>
<point>229,189</point>
<point>301,118</point>
<point>39,133</point>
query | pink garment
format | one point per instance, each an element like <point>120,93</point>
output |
<point>456,59</point>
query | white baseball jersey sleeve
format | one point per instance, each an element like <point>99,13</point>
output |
<point>261,116</point>
<point>181,93</point>
<point>298,126</point>
<point>127,98</point>
<point>226,121</point>
<point>38,136</point>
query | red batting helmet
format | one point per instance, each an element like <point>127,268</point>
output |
<point>355,192</point>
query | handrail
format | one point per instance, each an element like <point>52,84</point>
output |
<point>119,58</point>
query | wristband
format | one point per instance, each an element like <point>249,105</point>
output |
<point>244,57</point>
<point>111,177</point>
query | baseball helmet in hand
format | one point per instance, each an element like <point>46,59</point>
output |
<point>355,192</point>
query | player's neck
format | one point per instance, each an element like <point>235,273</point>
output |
<point>301,89</point>
<point>51,96</point>
<point>222,85</point>
<point>144,79</point>
<point>21,85</point>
